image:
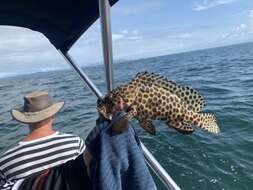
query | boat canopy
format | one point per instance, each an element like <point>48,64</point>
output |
<point>61,21</point>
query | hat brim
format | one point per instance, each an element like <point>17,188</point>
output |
<point>34,117</point>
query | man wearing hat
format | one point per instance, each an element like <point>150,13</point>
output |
<point>49,160</point>
<point>43,147</point>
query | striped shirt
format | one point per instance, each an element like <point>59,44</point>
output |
<point>34,156</point>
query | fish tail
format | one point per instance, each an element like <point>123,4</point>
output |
<point>207,122</point>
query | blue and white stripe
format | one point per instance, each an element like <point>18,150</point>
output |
<point>34,156</point>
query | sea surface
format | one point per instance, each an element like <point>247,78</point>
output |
<point>203,161</point>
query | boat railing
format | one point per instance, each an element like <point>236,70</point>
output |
<point>104,9</point>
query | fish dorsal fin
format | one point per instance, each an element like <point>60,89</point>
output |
<point>191,97</point>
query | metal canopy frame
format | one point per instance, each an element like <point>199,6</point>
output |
<point>104,9</point>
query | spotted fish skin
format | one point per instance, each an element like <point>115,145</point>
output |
<point>150,97</point>
<point>190,96</point>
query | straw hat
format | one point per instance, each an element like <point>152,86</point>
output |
<point>38,106</point>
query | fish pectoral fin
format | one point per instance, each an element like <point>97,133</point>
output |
<point>181,127</point>
<point>148,126</point>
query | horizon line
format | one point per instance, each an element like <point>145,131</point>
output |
<point>100,63</point>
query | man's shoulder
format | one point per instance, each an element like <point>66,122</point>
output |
<point>53,140</point>
<point>68,137</point>
<point>11,149</point>
<point>62,134</point>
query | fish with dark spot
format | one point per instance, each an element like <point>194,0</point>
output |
<point>151,96</point>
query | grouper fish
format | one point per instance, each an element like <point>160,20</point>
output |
<point>150,96</point>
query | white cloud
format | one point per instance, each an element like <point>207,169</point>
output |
<point>24,50</point>
<point>251,22</point>
<point>181,36</point>
<point>238,32</point>
<point>127,35</point>
<point>117,37</point>
<point>186,35</point>
<point>247,26</point>
<point>207,4</point>
<point>251,14</point>
<point>135,32</point>
<point>21,49</point>
<point>124,31</point>
<point>135,38</point>
<point>242,30</point>
<point>139,7</point>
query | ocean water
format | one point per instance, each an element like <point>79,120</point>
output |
<point>224,76</point>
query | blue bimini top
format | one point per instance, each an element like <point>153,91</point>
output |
<point>61,21</point>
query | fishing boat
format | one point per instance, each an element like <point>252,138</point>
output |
<point>63,22</point>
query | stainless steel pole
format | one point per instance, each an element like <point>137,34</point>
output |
<point>152,162</point>
<point>104,9</point>
<point>81,74</point>
<point>159,170</point>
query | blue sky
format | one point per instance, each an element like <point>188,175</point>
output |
<point>142,28</point>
